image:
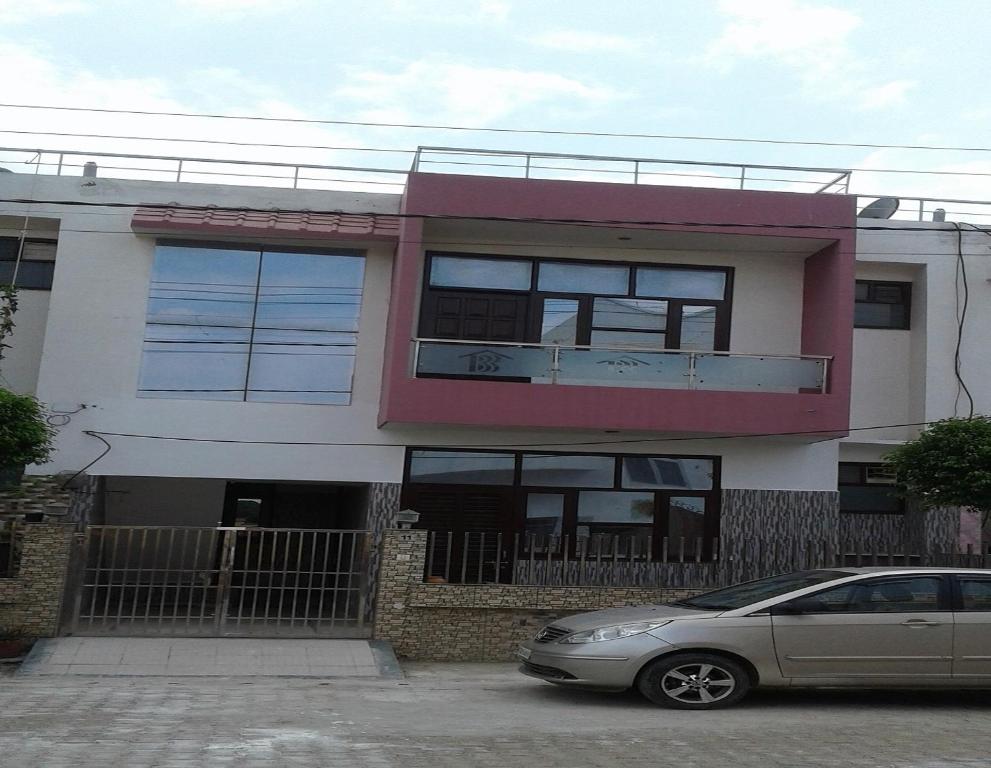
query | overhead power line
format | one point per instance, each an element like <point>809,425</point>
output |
<point>478,129</point>
<point>463,217</point>
<point>467,153</point>
<point>177,438</point>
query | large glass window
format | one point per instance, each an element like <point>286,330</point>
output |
<point>657,499</point>
<point>251,324</point>
<point>575,304</point>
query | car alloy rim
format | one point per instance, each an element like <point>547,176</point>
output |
<point>698,683</point>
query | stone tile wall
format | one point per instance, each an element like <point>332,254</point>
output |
<point>486,622</point>
<point>31,601</point>
<point>34,493</point>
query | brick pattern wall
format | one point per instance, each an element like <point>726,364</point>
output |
<point>30,602</point>
<point>33,494</point>
<point>454,622</point>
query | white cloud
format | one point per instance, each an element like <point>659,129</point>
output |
<point>578,41</point>
<point>812,40</point>
<point>237,8</point>
<point>41,81</point>
<point>450,11</point>
<point>800,34</point>
<point>447,91</point>
<point>21,11</point>
<point>887,95</point>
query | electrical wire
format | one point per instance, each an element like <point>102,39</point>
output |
<point>624,441</point>
<point>474,164</point>
<point>106,451</point>
<point>470,129</point>
<point>961,313</point>
<point>462,217</point>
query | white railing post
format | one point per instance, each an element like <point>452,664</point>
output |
<point>555,363</point>
<point>295,177</point>
<point>178,171</point>
<point>691,370</point>
<point>743,177</point>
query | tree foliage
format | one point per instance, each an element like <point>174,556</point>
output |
<point>948,465</point>
<point>25,434</point>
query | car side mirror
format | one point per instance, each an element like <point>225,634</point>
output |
<point>797,607</point>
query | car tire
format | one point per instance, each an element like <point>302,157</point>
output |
<point>694,681</point>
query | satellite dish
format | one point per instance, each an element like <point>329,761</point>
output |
<point>882,208</point>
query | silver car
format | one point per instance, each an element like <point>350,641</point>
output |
<point>869,627</point>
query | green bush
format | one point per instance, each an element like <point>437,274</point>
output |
<point>25,434</point>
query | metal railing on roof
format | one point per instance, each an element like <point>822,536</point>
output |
<point>456,160</point>
<point>635,170</point>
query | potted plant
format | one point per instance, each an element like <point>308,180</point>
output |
<point>25,436</point>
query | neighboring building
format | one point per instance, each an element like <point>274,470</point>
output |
<point>488,351</point>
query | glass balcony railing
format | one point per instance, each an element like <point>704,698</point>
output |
<point>619,366</point>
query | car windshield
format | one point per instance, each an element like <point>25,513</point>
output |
<point>763,589</point>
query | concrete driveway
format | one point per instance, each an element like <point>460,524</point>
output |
<point>482,716</point>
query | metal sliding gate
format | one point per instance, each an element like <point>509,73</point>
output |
<point>263,582</point>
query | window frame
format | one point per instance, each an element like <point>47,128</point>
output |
<point>945,597</point>
<point>957,587</point>
<point>4,259</point>
<point>904,286</point>
<point>862,468</point>
<point>535,297</point>
<point>261,247</point>
<point>659,527</point>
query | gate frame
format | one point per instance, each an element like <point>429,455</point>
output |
<point>363,546</point>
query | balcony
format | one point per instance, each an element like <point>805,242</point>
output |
<point>601,366</point>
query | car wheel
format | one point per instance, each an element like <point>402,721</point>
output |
<point>694,681</point>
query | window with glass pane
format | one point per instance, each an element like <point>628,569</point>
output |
<point>920,593</point>
<point>698,328</point>
<point>229,324</point>
<point>641,314</point>
<point>574,471</point>
<point>583,278</point>
<point>461,467</point>
<point>34,264</point>
<point>686,518</point>
<point>681,283</point>
<point>659,472</point>
<point>559,323</point>
<point>500,274</point>
<point>975,593</point>
<point>544,514</point>
<point>882,305</point>
<point>615,507</point>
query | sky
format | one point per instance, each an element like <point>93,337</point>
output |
<point>906,72</point>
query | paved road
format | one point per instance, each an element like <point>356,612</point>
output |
<point>467,715</point>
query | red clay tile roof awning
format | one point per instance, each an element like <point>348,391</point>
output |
<point>254,223</point>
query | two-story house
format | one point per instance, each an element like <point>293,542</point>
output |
<point>502,355</point>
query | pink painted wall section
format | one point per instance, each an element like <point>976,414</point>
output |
<point>827,314</point>
<point>448,195</point>
<point>827,318</point>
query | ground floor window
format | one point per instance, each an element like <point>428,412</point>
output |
<point>868,489</point>
<point>581,496</point>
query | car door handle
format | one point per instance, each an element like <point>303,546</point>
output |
<point>921,623</point>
